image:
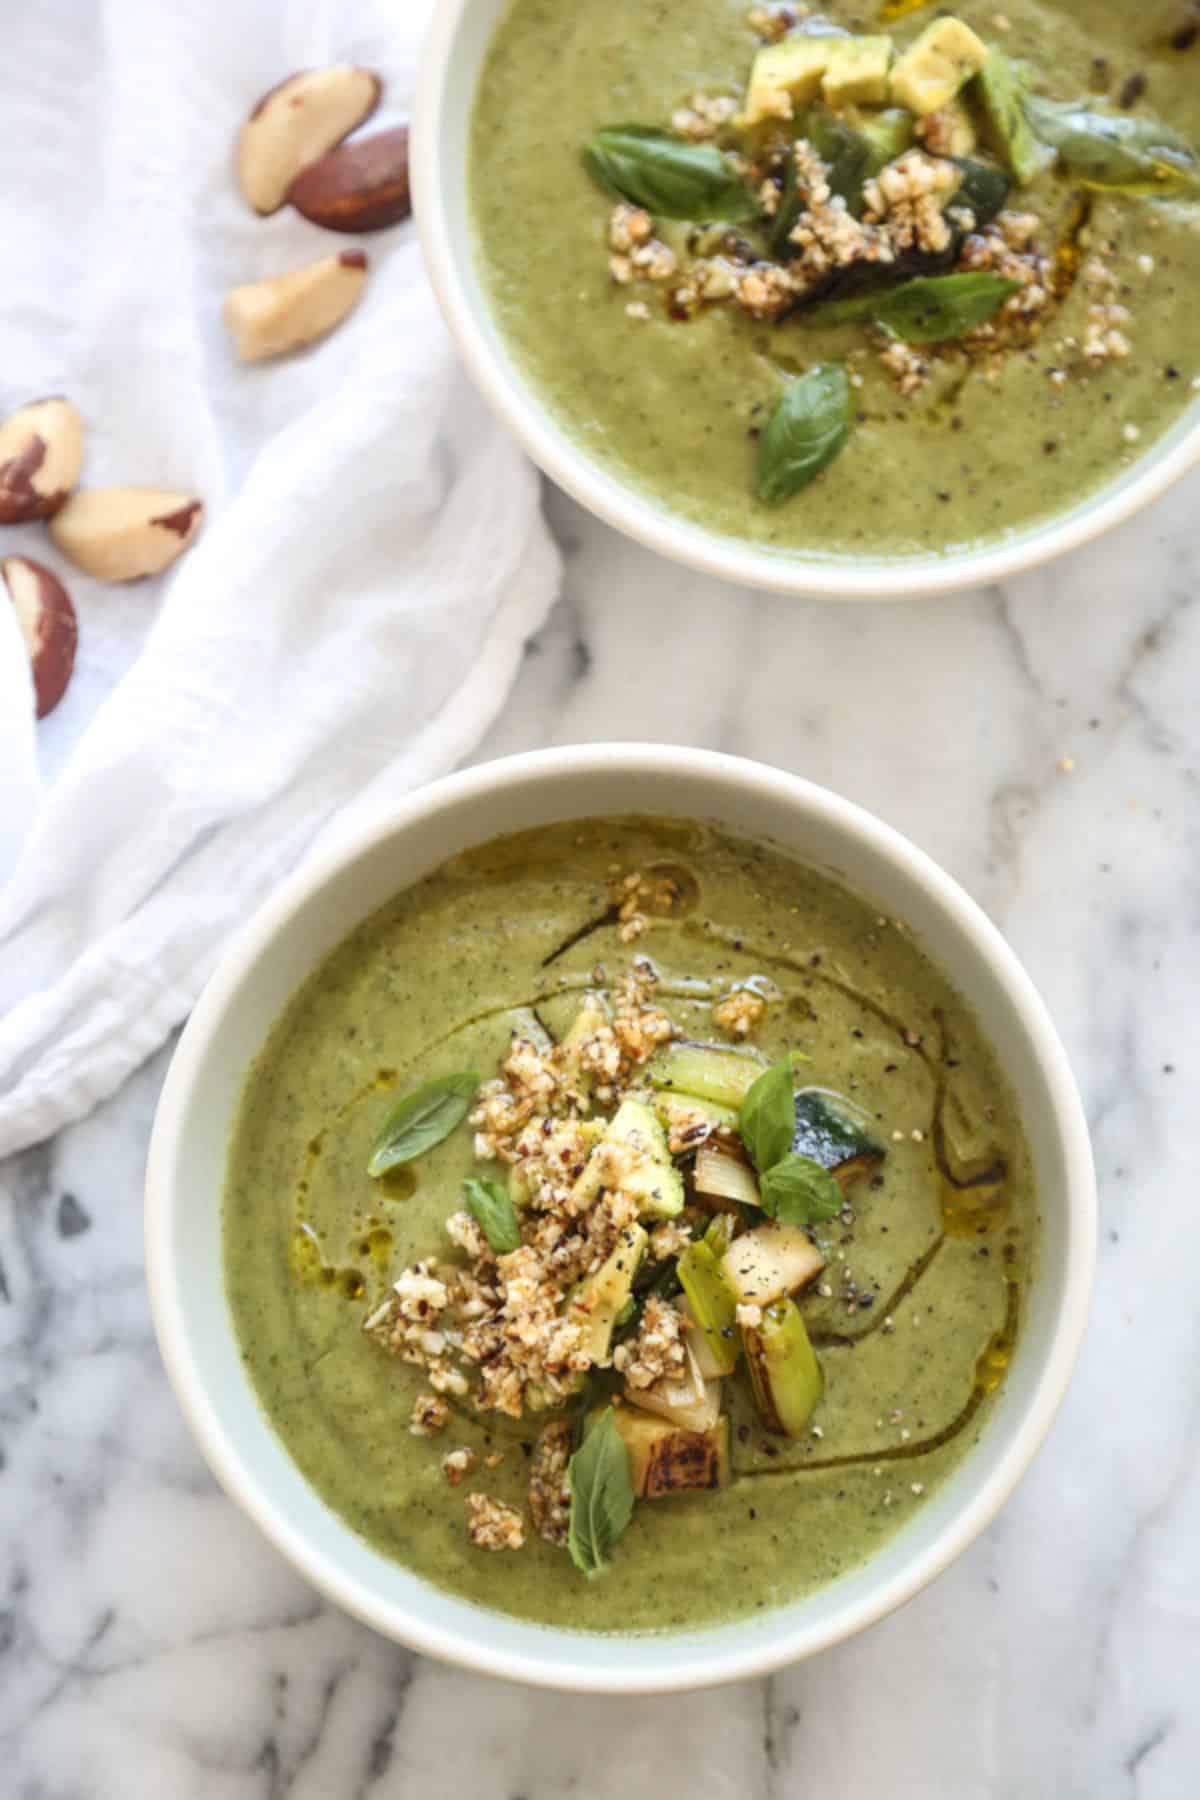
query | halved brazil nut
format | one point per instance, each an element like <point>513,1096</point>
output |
<point>121,534</point>
<point>359,186</point>
<point>269,318</point>
<point>41,449</point>
<point>47,620</point>
<point>297,122</point>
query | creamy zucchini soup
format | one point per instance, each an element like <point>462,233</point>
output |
<point>627,1228</point>
<point>878,278</point>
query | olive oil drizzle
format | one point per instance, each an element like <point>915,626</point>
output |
<point>989,1370</point>
<point>846,1340</point>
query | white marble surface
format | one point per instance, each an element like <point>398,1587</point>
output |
<point>152,1645</point>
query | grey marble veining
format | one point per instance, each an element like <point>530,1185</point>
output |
<point>1042,741</point>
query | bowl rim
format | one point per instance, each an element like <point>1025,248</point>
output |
<point>869,578</point>
<point>556,1666</point>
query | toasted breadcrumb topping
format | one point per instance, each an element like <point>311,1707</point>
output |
<point>491,1525</point>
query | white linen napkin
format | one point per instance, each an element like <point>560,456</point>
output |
<point>372,562</point>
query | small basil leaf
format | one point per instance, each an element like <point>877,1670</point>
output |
<point>809,425</point>
<point>799,1191</point>
<point>1109,150</point>
<point>490,1207</point>
<point>942,306</point>
<point>1001,87</point>
<point>668,176</point>
<point>601,1496</point>
<point>767,1120</point>
<point>422,1119</point>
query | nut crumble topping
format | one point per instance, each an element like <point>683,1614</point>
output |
<point>491,1525</point>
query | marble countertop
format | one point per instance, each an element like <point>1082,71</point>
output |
<point>1041,740</point>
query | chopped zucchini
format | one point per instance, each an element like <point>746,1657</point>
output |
<point>829,1133</point>
<point>887,135</point>
<point>1000,89</point>
<point>664,1460</point>
<point>785,75</point>
<point>599,1298</point>
<point>984,188</point>
<point>933,69</point>
<point>712,1301</point>
<point>724,1076</point>
<point>784,1371</point>
<point>763,1265</point>
<point>587,1021</point>
<point>856,73</point>
<point>650,1174</point>
<point>684,1113</point>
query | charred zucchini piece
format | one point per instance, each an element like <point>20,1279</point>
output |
<point>664,1460</point>
<point>723,1076</point>
<point>599,1299</point>
<point>681,1113</point>
<point>774,1259</point>
<point>830,1135</point>
<point>784,1371</point>
<point>712,1301</point>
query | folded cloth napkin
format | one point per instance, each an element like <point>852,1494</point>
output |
<point>373,559</point>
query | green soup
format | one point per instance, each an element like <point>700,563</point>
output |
<point>673,409</point>
<point>913,1320</point>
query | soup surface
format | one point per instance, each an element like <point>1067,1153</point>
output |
<point>912,1316</point>
<point>948,447</point>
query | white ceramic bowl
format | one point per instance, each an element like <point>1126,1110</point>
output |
<point>450,69</point>
<point>311,914</point>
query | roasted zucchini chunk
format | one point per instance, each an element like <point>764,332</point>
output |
<point>664,1460</point>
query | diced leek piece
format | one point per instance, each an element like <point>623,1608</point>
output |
<point>725,1076</point>
<point>712,1301</point>
<point>719,1234</point>
<point>770,1261</point>
<point>784,1371</point>
<point>664,1460</point>
<point>689,1402</point>
<point>700,1348</point>
<point>599,1299</point>
<point>1000,87</point>
<point>725,1176</point>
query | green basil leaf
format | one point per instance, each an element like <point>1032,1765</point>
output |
<point>601,1496</point>
<point>667,175</point>
<point>489,1205</point>
<point>808,427</point>
<point>936,307</point>
<point>799,1191</point>
<point>422,1119</point>
<point>1113,150</point>
<point>1002,87</point>
<point>767,1120</point>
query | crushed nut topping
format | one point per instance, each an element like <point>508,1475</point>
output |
<point>656,1350</point>
<point>491,1525</point>
<point>429,1415</point>
<point>458,1465</point>
<point>549,1490</point>
<point>739,1013</point>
